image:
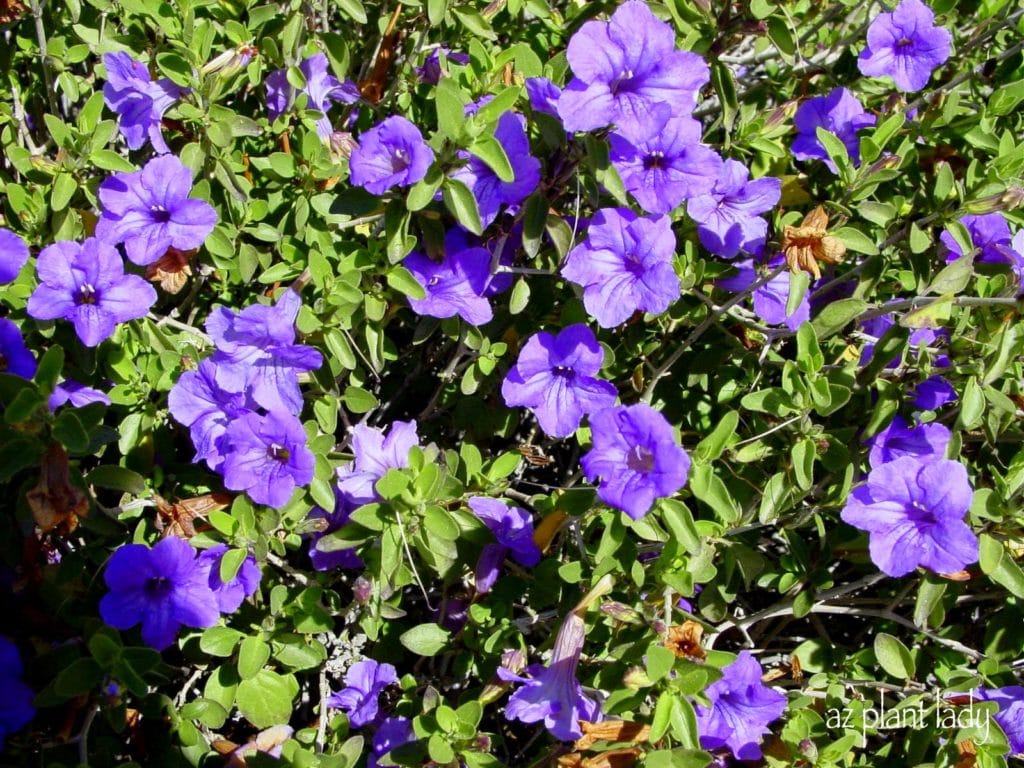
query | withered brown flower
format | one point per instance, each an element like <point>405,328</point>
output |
<point>806,245</point>
<point>171,270</point>
<point>684,640</point>
<point>55,502</point>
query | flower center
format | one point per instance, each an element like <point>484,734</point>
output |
<point>903,44</point>
<point>278,453</point>
<point>620,82</point>
<point>85,294</point>
<point>159,214</point>
<point>654,160</point>
<point>563,372</point>
<point>158,586</point>
<point>400,160</point>
<point>634,264</point>
<point>639,459</point>
<point>433,281</point>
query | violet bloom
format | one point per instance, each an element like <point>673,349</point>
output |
<point>13,255</point>
<point>933,393</point>
<point>555,377</point>
<point>624,265</point>
<point>905,45</point>
<point>728,217</point>
<point>392,153</point>
<point>662,162</point>
<point>364,683</point>
<point>85,284</point>
<point>741,709</point>
<point>492,193</point>
<point>328,560</point>
<point>139,102</point>
<point>543,95</point>
<point>15,357</point>
<point>625,67</point>
<point>455,285</point>
<point>431,71</point>
<point>375,454</point>
<point>256,352</point>
<point>16,697</point>
<point>459,239</point>
<point>231,594</point>
<point>636,456</point>
<point>164,588</point>
<point>513,529</point>
<point>1010,716</point>
<point>150,211</point>
<point>77,394</point>
<point>839,113</point>
<point>322,89</point>
<point>929,337</point>
<point>988,232</point>
<point>914,513</point>
<point>771,299</point>
<point>393,732</point>
<point>198,402</point>
<point>267,457</point>
<point>552,694</point>
<point>923,442</point>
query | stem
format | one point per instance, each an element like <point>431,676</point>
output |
<point>51,90</point>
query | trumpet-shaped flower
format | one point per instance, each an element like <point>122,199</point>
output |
<point>364,683</point>
<point>15,357</point>
<point>839,113</point>
<point>923,441</point>
<point>150,211</point>
<point>16,709</point>
<point>513,529</point>
<point>933,393</point>
<point>624,68</point>
<point>771,299</point>
<point>79,395</point>
<point>555,376</point>
<point>624,265</point>
<point>139,102</point>
<point>454,286</point>
<point>1010,716</point>
<point>741,709</point>
<point>552,694</point>
<point>85,284</point>
<point>905,45</point>
<point>322,89</point>
<point>393,732</point>
<point>990,233</point>
<point>913,512</point>
<point>13,255</point>
<point>164,588</point>
<point>636,456</point>
<point>375,454</point>
<point>391,154</point>
<point>230,594</point>
<point>728,217</point>
<point>267,457</point>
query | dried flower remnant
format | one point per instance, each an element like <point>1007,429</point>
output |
<point>172,270</point>
<point>804,246</point>
<point>684,640</point>
<point>56,504</point>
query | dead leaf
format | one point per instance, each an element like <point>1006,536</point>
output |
<point>178,519</point>
<point>611,730</point>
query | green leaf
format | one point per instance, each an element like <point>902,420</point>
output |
<point>997,563</point>
<point>809,357</point>
<point>798,284</point>
<point>219,641</point>
<point>489,149</point>
<point>252,655</point>
<point>972,405</point>
<point>459,199</point>
<point>660,661</point>
<point>451,109</point>
<point>662,716</point>
<point>474,22</point>
<point>402,280</point>
<point>804,453</point>
<point>952,278</point>
<point>425,639</point>
<point>435,11</point>
<point>207,711</point>
<point>358,400</point>
<point>835,148</point>
<point>117,479</point>
<point>855,240</point>
<point>78,678</point>
<point>837,315</point>
<point>893,656</point>
<point>70,433</point>
<point>266,699</point>
<point>230,563</point>
<point>712,446</point>
<point>421,194</point>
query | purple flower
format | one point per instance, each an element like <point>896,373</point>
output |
<point>390,154</point>
<point>375,454</point>
<point>15,357</point>
<point>839,113</point>
<point>455,285</point>
<point>164,588</point>
<point>256,352</point>
<point>490,191</point>
<point>1010,715</point>
<point>150,211</point>
<point>662,162</point>
<point>393,732</point>
<point>914,514</point>
<point>933,393</point>
<point>552,693</point>
<point>625,67</point>
<point>230,595</point>
<point>513,529</point>
<point>923,442</point>
<point>988,232</point>
<point>431,71</point>
<point>78,395</point>
<point>905,45</point>
<point>328,560</point>
<point>741,709</point>
<point>13,255</point>
<point>267,457</point>
<point>1014,253</point>
<point>198,402</point>
<point>636,456</point>
<point>770,299</point>
<point>139,102</point>
<point>459,239</point>
<point>16,709</point>
<point>625,264</point>
<point>877,326</point>
<point>555,377</point>
<point>543,95</point>
<point>322,89</point>
<point>728,216</point>
<point>86,285</point>
<point>364,683</point>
